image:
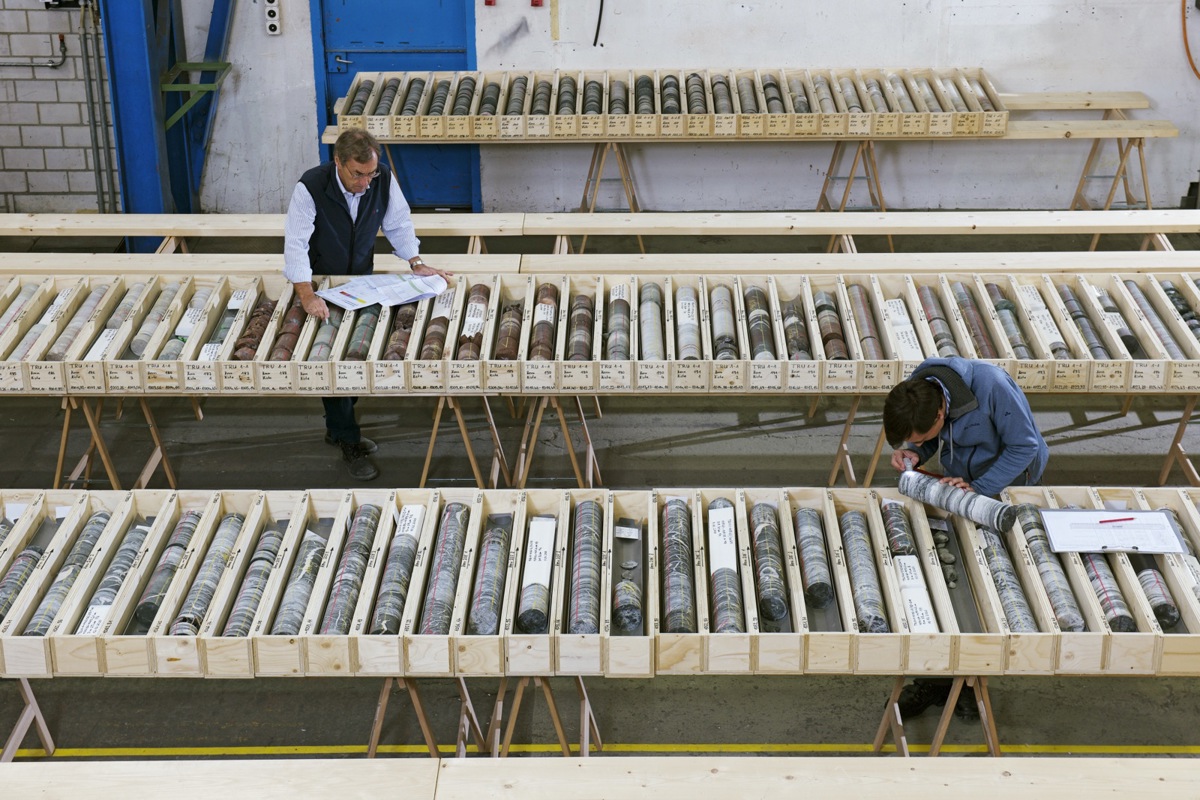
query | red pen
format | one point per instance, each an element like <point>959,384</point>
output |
<point>1122,519</point>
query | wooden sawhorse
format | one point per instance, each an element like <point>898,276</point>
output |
<point>468,722</point>
<point>1176,454</point>
<point>30,715</point>
<point>841,460</point>
<point>892,722</point>
<point>533,423</point>
<point>591,189</point>
<point>92,408</point>
<point>1120,176</point>
<point>864,154</point>
<point>588,729</point>
<point>499,467</point>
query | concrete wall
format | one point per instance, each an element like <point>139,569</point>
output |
<point>45,147</point>
<point>265,133</point>
<point>1026,45</point>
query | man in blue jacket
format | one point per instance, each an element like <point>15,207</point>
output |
<point>981,421</point>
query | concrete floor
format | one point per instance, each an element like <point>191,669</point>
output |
<point>276,443</point>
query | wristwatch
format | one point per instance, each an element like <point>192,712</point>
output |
<point>416,262</point>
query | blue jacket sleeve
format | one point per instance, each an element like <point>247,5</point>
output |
<point>1016,431</point>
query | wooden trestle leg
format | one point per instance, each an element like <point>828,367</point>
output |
<point>92,412</point>
<point>1176,454</point>
<point>875,457</point>
<point>468,724</point>
<point>31,714</point>
<point>418,709</point>
<point>864,154</point>
<point>1120,176</point>
<point>893,723</point>
<point>591,190</point>
<point>157,456</point>
<point>586,478</point>
<point>589,731</point>
<point>978,684</point>
<point>841,460</point>
<point>499,466</point>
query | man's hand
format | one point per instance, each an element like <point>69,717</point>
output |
<point>904,459</point>
<point>315,306</point>
<point>957,483</point>
<point>421,268</point>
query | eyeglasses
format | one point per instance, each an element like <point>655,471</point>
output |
<point>358,176</point>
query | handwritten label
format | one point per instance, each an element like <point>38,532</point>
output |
<point>539,549</point>
<point>543,312</point>
<point>722,540</point>
<point>619,291</point>
<point>96,352</point>
<point>443,304</point>
<point>473,321</point>
<point>908,346</point>
<point>93,620</point>
<point>187,323</point>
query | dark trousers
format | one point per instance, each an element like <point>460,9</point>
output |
<point>339,419</point>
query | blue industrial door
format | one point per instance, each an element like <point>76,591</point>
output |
<point>352,36</point>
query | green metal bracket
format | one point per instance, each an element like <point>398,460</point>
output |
<point>197,90</point>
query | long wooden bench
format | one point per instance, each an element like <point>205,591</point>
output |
<point>175,229</point>
<point>640,778</point>
<point>1152,225</point>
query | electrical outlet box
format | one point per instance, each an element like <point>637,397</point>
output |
<point>274,17</point>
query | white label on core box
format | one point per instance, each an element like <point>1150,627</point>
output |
<point>209,352</point>
<point>619,292</point>
<point>408,520</point>
<point>722,540</point>
<point>93,620</point>
<point>686,312</point>
<point>188,322</point>
<point>102,342</point>
<point>918,610</point>
<point>544,312</point>
<point>52,311</point>
<point>626,532</point>
<point>473,321</point>
<point>1040,316</point>
<point>443,304</point>
<point>539,551</point>
<point>237,299</point>
<point>907,343</point>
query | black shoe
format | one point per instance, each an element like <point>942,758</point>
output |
<point>370,446</point>
<point>966,708</point>
<point>358,463</point>
<point>916,697</point>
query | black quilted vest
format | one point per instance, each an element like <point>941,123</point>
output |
<point>340,245</point>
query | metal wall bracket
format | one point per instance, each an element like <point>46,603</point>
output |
<point>170,83</point>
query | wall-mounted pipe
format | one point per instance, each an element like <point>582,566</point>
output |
<point>84,44</point>
<point>62,57</point>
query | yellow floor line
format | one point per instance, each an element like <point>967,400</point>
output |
<point>698,748</point>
